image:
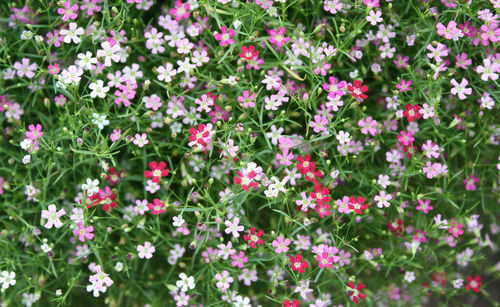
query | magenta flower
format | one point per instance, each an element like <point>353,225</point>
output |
<point>69,11</point>
<point>462,61</point>
<point>225,36</point>
<point>470,182</point>
<point>239,260</point>
<point>278,37</point>
<point>281,245</point>
<point>424,205</point>
<point>34,132</point>
<point>116,135</point>
<point>265,4</point>
<point>84,232</point>
<point>180,11</point>
<point>404,86</point>
<point>405,138</point>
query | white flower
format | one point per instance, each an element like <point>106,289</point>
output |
<point>46,248</point>
<point>119,266</point>
<point>409,276</point>
<point>241,301</point>
<point>98,89</point>
<point>185,282</point>
<point>52,215</point>
<point>100,120</point>
<point>91,186</point>
<point>343,137</point>
<point>178,221</point>
<point>7,279</point>
<point>109,53</point>
<point>26,159</point>
<point>145,251</point>
<point>73,33</point>
<point>86,60</point>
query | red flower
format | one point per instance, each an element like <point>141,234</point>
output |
<point>357,90</point>
<point>104,197</point>
<point>320,194</point>
<point>439,278</point>
<point>254,237</point>
<point>248,53</point>
<point>305,164</point>
<point>456,229</point>
<point>295,303</point>
<point>297,264</point>
<point>396,227</point>
<point>113,177</point>
<point>311,175</point>
<point>157,207</point>
<point>474,283</point>
<point>246,180</point>
<point>157,171</point>
<point>357,205</point>
<point>412,112</point>
<point>355,292</point>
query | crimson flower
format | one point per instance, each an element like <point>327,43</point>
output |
<point>248,53</point>
<point>357,205</point>
<point>254,237</point>
<point>157,171</point>
<point>412,112</point>
<point>396,227</point>
<point>297,264</point>
<point>305,164</point>
<point>355,292</point>
<point>113,177</point>
<point>320,194</point>
<point>474,283</point>
<point>439,278</point>
<point>323,209</point>
<point>357,90</point>
<point>246,180</point>
<point>157,207</point>
<point>287,303</point>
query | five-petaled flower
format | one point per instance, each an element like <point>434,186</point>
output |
<point>297,264</point>
<point>157,207</point>
<point>254,237</point>
<point>158,170</point>
<point>412,112</point>
<point>84,232</point>
<point>474,283</point>
<point>53,216</point>
<point>358,90</point>
<point>354,292</point>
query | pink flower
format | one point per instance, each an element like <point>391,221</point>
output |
<point>470,182</point>
<point>34,132</point>
<point>116,135</point>
<point>239,260</point>
<point>69,11</point>
<point>84,232</point>
<point>462,61</point>
<point>460,89</point>
<point>424,205</point>
<point>404,86</point>
<point>281,245</point>
<point>141,140</point>
<point>225,36</point>
<point>180,11</point>
<point>233,227</point>
<point>145,251</point>
<point>449,32</point>
<point>247,100</point>
<point>264,3</point>
<point>54,69</point>
<point>368,126</point>
<point>405,138</point>
<point>319,123</point>
<point>278,37</point>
